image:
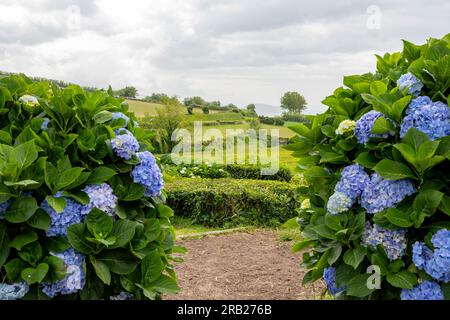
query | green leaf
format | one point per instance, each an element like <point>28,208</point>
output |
<point>31,253</point>
<point>119,261</point>
<point>99,223</point>
<point>40,220</point>
<point>427,201</point>
<point>100,175</point>
<point>102,117</point>
<point>354,257</point>
<point>398,107</point>
<point>335,253</point>
<point>382,125</point>
<point>57,268</point>
<point>164,211</point>
<point>76,234</point>
<point>377,88</point>
<point>36,275</point>
<point>5,194</point>
<point>24,154</point>
<point>123,231</point>
<point>152,266</point>
<point>57,203</point>
<point>357,286</point>
<point>427,150</point>
<point>415,138</point>
<point>367,160</point>
<point>445,205</point>
<point>4,243</point>
<point>402,279</point>
<point>164,284</point>
<point>56,244</point>
<point>393,170</point>
<point>23,239</point>
<point>407,152</point>
<point>299,246</point>
<point>21,210</point>
<point>399,218</point>
<point>68,177</point>
<point>101,270</point>
<point>23,183</point>
<point>13,269</point>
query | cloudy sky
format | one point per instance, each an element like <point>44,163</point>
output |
<point>240,51</point>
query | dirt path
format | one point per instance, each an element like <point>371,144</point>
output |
<point>244,265</point>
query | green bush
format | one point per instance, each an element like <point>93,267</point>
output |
<point>72,219</point>
<point>277,121</point>
<point>377,164</point>
<point>219,202</point>
<point>238,171</point>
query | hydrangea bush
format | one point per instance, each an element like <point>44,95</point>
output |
<point>378,172</point>
<point>82,212</point>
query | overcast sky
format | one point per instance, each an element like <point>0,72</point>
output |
<point>240,51</point>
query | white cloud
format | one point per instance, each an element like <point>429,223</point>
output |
<point>236,51</point>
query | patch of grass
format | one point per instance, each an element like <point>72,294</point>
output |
<point>141,108</point>
<point>219,116</point>
<point>184,226</point>
<point>289,235</point>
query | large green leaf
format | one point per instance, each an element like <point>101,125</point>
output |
<point>101,269</point>
<point>99,223</point>
<point>354,257</point>
<point>152,266</point>
<point>119,261</point>
<point>21,210</point>
<point>402,279</point>
<point>77,234</point>
<point>358,287</point>
<point>4,243</point>
<point>393,170</point>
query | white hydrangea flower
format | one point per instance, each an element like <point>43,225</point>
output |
<point>29,100</point>
<point>306,204</point>
<point>345,127</point>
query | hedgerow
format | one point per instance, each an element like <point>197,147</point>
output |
<point>81,202</point>
<point>221,202</point>
<point>377,164</point>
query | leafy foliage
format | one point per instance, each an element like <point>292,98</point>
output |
<point>337,240</point>
<point>127,250</point>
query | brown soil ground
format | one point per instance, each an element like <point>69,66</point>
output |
<point>245,266</point>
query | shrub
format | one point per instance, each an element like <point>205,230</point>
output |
<point>204,170</point>
<point>205,110</point>
<point>81,209</point>
<point>377,164</point>
<point>219,202</point>
<point>238,171</point>
<point>294,117</point>
<point>277,121</point>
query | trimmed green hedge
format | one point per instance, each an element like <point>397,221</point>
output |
<point>221,202</point>
<point>238,171</point>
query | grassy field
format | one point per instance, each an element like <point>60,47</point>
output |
<point>141,108</point>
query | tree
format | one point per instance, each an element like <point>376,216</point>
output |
<point>156,97</point>
<point>127,92</point>
<point>293,102</point>
<point>194,102</point>
<point>205,109</point>
<point>168,119</point>
<point>251,107</point>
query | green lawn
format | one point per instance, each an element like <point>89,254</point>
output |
<point>141,108</point>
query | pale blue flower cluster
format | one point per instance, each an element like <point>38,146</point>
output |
<point>380,194</point>
<point>393,241</point>
<point>120,115</point>
<point>44,125</point>
<point>74,279</point>
<point>122,296</point>
<point>364,125</point>
<point>148,174</point>
<point>101,196</point>
<point>427,290</point>
<point>408,80</point>
<point>3,207</point>
<point>61,221</point>
<point>348,189</point>
<point>432,118</point>
<point>353,181</point>
<point>13,291</point>
<point>124,144</point>
<point>436,263</point>
<point>329,276</point>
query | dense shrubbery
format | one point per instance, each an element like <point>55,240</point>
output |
<point>377,162</point>
<point>238,171</point>
<point>81,208</point>
<point>295,117</point>
<point>277,121</point>
<point>219,202</point>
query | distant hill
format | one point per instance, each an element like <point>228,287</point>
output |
<point>268,110</point>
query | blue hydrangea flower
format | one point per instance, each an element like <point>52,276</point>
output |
<point>122,296</point>
<point>120,115</point>
<point>13,291</point>
<point>363,130</point>
<point>432,118</point>
<point>338,203</point>
<point>436,263</point>
<point>427,290</point>
<point>74,279</point>
<point>44,125</point>
<point>393,241</point>
<point>61,221</point>
<point>101,196</point>
<point>381,194</point>
<point>3,208</point>
<point>353,181</point>
<point>124,144</point>
<point>329,276</point>
<point>148,174</point>
<point>408,80</point>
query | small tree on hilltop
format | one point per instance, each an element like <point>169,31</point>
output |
<point>293,102</point>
